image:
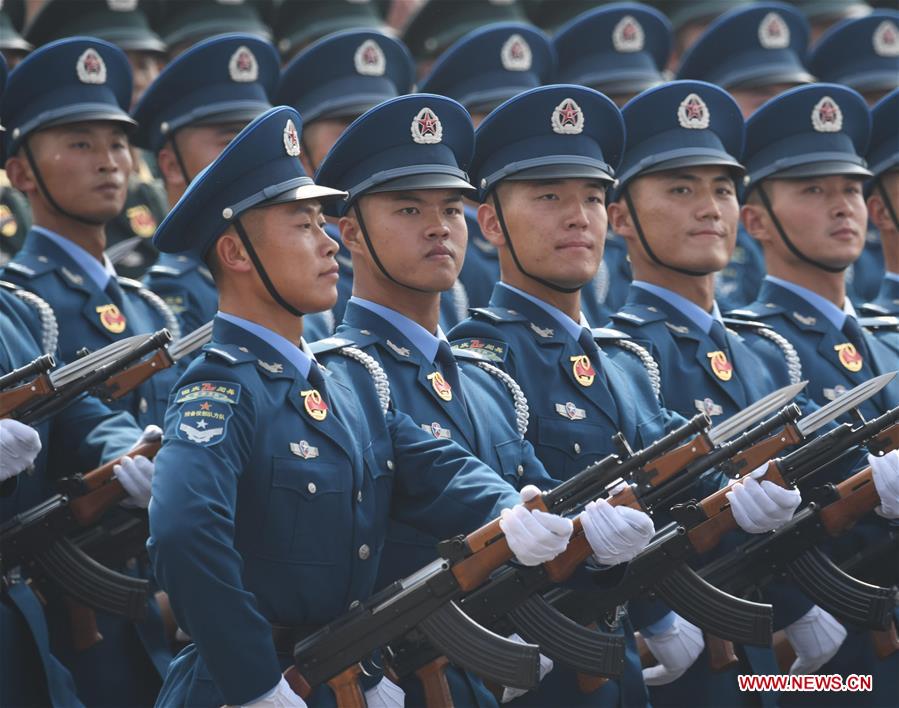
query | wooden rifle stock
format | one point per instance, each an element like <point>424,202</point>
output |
<point>886,642</point>
<point>83,624</point>
<point>126,381</point>
<point>345,686</point>
<point>432,677</point>
<point>13,399</point>
<point>857,496</point>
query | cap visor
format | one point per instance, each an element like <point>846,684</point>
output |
<point>772,77</point>
<point>298,194</point>
<point>422,181</point>
<point>91,115</point>
<point>695,161</point>
<point>561,171</point>
<point>819,169</point>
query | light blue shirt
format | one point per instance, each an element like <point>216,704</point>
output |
<point>565,322</point>
<point>891,276</point>
<point>834,314</point>
<point>301,361</point>
<point>690,310</point>
<point>99,273</point>
<point>421,339</point>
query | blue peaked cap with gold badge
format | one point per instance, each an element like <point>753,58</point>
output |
<point>678,124</point>
<point>344,74</point>
<point>819,129</point>
<point>558,131</point>
<point>862,53</point>
<point>260,167</point>
<point>419,141</point>
<point>756,45</point>
<point>222,79</point>
<point>492,64</point>
<point>883,153</point>
<point>617,48</point>
<point>68,81</point>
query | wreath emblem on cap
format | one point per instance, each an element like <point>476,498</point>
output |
<point>369,59</point>
<point>693,113</point>
<point>827,116</point>
<point>91,67</point>
<point>628,35</point>
<point>515,54</point>
<point>774,33</point>
<point>426,127</point>
<point>886,39</point>
<point>568,118</point>
<point>291,139</point>
<point>243,67</point>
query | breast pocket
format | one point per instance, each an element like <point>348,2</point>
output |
<point>376,497</point>
<point>308,515</point>
<point>566,447</point>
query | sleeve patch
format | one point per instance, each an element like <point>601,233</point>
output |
<point>219,391</point>
<point>205,411</point>
<point>489,349</point>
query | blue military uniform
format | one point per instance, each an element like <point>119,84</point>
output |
<point>757,45</point>
<point>579,393</point>
<point>822,129</point>
<point>281,450</point>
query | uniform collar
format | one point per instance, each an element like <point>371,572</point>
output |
<point>688,309</point>
<point>891,276</point>
<point>835,315</point>
<point>572,328</point>
<point>418,336</point>
<point>99,273</point>
<point>298,356</point>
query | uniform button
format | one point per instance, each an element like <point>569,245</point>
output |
<point>42,259</point>
<point>577,448</point>
<point>364,551</point>
<point>520,470</point>
<point>390,464</point>
<point>143,405</point>
<point>359,496</point>
<point>311,487</point>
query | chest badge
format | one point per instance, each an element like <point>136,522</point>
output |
<point>315,405</point>
<point>304,449</point>
<point>437,430</point>
<point>441,386</point>
<point>570,411</point>
<point>583,370</point>
<point>849,356</point>
<point>708,406</point>
<point>721,367</point>
<point>111,318</point>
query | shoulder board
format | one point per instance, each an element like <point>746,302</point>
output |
<point>29,266</point>
<point>737,322</point>
<point>129,282</point>
<point>874,310</point>
<point>497,314</point>
<point>229,353</point>
<point>882,322</point>
<point>163,270</point>
<point>330,344</point>
<point>6,285</point>
<point>755,312</point>
<point>639,314</point>
<point>607,334</point>
<point>469,354</point>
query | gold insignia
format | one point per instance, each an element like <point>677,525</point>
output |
<point>141,220</point>
<point>112,318</point>
<point>315,405</point>
<point>583,370</point>
<point>721,367</point>
<point>849,356</point>
<point>441,386</point>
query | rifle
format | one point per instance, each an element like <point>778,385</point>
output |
<point>424,600</point>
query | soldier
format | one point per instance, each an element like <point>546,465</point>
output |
<point>481,70</point>
<point>863,54</point>
<point>543,161</point>
<point>277,476</point>
<point>804,202</point>
<point>181,25</point>
<point>404,225</point>
<point>299,24</point>
<point>13,46</point>
<point>753,52</point>
<point>824,14</point>
<point>126,26</point>
<point>15,217</point>
<point>620,50</point>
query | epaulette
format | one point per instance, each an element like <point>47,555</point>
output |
<point>640,314</point>
<point>744,313</point>
<point>880,322</point>
<point>737,322</point>
<point>173,266</point>
<point>874,310</point>
<point>790,355</point>
<point>29,266</point>
<point>497,314</point>
<point>468,354</point>
<point>608,334</point>
<point>129,283</point>
<point>231,354</point>
<point>335,343</point>
<point>154,301</point>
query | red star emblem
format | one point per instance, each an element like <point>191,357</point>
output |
<point>517,51</point>
<point>428,124</point>
<point>91,64</point>
<point>205,406</point>
<point>370,56</point>
<point>243,61</point>
<point>828,113</point>
<point>888,36</point>
<point>568,114</point>
<point>629,32</point>
<point>694,110</point>
<point>774,28</point>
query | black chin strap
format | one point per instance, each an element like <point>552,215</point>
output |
<point>179,159</point>
<point>786,239</point>
<point>887,202</point>
<point>374,254</point>
<point>642,236</point>
<point>49,197</point>
<point>260,269</point>
<point>543,281</point>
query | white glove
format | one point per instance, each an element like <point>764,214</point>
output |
<point>534,536</point>
<point>885,471</point>
<point>615,533</point>
<point>151,433</point>
<point>546,665</point>
<point>759,508</point>
<point>385,695</point>
<point>136,476</point>
<point>676,649</point>
<point>19,446</point>
<point>281,696</point>
<point>815,637</point>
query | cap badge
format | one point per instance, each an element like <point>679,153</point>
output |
<point>516,54</point>
<point>91,68</point>
<point>291,139</point>
<point>568,118</point>
<point>427,128</point>
<point>693,113</point>
<point>827,116</point>
<point>243,67</point>
<point>774,33</point>
<point>886,39</point>
<point>628,35</point>
<point>369,59</point>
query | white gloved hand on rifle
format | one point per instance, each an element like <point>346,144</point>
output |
<point>759,508</point>
<point>19,447</point>
<point>534,536</point>
<point>615,533</point>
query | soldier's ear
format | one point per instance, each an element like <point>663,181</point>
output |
<point>756,221</point>
<point>489,223</point>
<point>878,213</point>
<point>231,255</point>
<point>170,169</point>
<point>351,234</point>
<point>20,175</point>
<point>620,220</point>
